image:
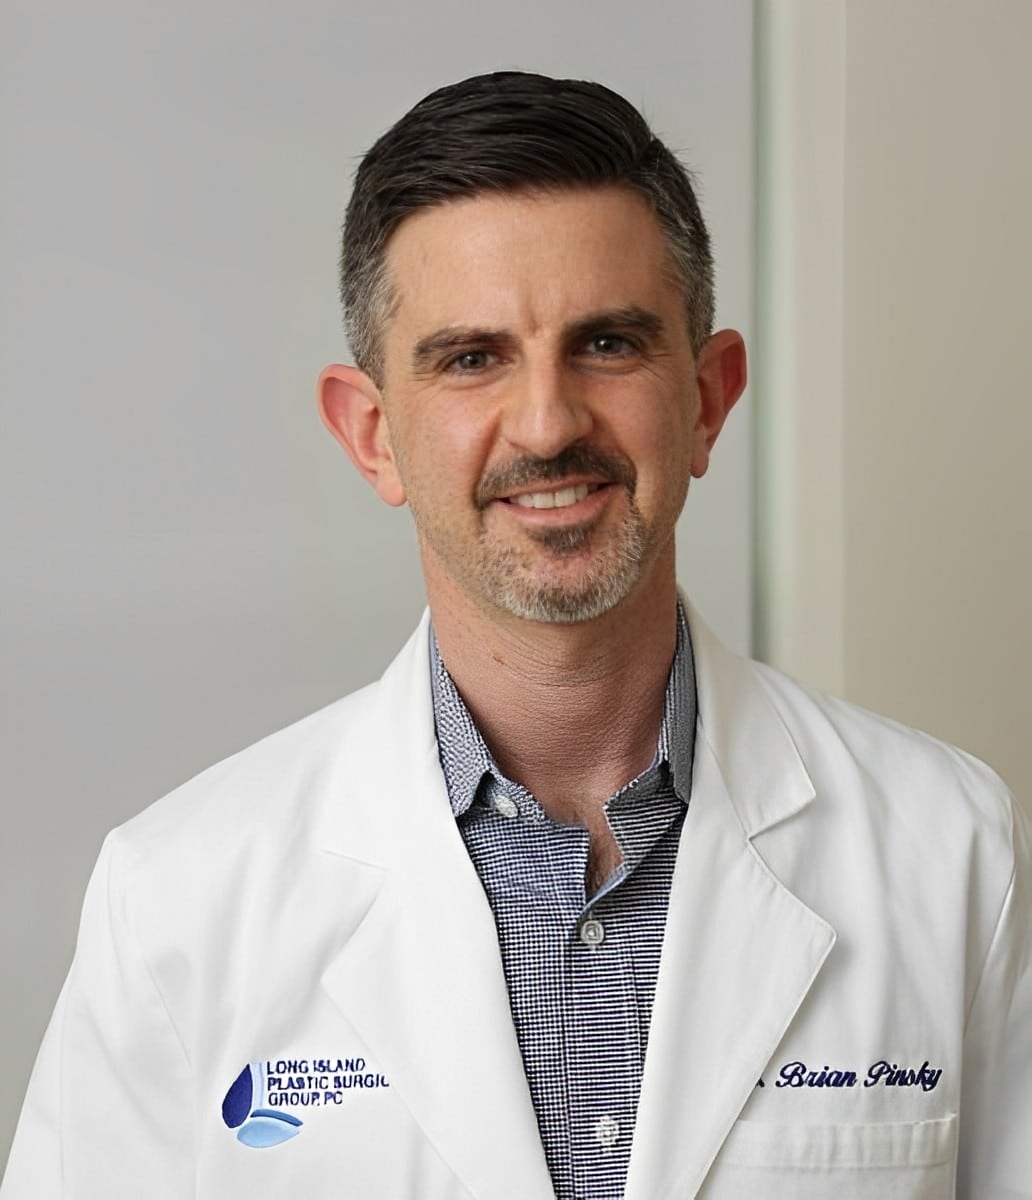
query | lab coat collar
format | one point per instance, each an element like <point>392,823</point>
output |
<point>766,779</point>
<point>740,951</point>
<point>419,973</point>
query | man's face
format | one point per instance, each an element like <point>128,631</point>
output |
<point>542,399</point>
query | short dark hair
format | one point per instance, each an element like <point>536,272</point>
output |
<point>512,131</point>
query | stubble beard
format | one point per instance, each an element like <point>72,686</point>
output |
<point>516,580</point>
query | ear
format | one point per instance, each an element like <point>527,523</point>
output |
<point>351,407</point>
<point>720,372</point>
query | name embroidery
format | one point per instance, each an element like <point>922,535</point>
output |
<point>879,1074</point>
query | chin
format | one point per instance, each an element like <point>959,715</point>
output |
<point>558,604</point>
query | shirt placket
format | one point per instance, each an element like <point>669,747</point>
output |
<point>604,1051</point>
<point>581,976</point>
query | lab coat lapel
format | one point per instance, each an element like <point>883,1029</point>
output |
<point>740,951</point>
<point>420,975</point>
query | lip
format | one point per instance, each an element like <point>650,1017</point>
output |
<point>556,485</point>
<point>571,514</point>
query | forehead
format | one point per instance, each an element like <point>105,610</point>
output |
<point>526,260</point>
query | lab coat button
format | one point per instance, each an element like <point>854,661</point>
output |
<point>607,1130</point>
<point>592,933</point>
<point>508,808</point>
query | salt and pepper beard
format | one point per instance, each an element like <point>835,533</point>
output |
<point>507,575</point>
<point>511,585</point>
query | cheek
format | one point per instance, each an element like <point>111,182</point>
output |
<point>464,444</point>
<point>665,460</point>
<point>662,435</point>
<point>442,449</point>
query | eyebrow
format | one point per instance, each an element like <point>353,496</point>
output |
<point>631,318</point>
<point>455,337</point>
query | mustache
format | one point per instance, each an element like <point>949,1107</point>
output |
<point>574,460</point>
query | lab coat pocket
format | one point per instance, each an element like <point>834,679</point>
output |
<point>900,1161</point>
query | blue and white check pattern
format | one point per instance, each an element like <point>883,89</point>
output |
<point>581,971</point>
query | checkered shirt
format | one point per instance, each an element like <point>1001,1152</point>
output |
<point>581,972</point>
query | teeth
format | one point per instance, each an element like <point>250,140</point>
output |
<point>561,499</point>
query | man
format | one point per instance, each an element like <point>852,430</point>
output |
<point>573,902</point>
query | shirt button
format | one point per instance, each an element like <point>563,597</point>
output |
<point>508,808</point>
<point>607,1130</point>
<point>592,933</point>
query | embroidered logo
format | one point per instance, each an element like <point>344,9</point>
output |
<point>246,1109</point>
<point>257,1103</point>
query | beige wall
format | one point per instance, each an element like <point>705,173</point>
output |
<point>909,506</point>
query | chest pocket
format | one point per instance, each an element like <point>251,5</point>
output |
<point>901,1161</point>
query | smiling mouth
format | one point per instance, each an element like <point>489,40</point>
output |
<point>562,498</point>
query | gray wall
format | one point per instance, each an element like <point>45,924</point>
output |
<point>188,561</point>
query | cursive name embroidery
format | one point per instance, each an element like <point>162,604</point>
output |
<point>795,1074</point>
<point>925,1076</point>
<point>883,1073</point>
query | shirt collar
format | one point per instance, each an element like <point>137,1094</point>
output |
<point>465,758</point>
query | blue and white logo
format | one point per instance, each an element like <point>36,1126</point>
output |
<point>246,1109</point>
<point>257,1104</point>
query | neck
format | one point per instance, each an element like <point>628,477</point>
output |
<point>572,712</point>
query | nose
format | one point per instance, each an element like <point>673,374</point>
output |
<point>547,411</point>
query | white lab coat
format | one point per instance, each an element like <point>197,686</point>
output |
<point>847,893</point>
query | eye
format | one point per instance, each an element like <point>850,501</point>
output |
<point>469,361</point>
<point>609,345</point>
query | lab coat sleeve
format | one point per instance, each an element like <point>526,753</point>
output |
<point>108,1111</point>
<point>996,1089</point>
